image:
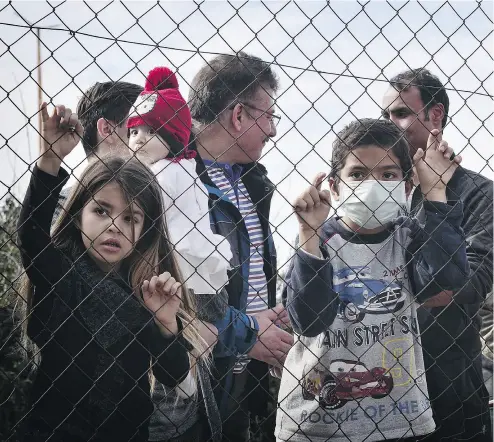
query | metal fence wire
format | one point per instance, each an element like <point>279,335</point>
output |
<point>280,243</point>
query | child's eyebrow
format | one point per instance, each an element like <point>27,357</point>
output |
<point>358,167</point>
<point>103,203</point>
<point>388,167</point>
<point>106,205</point>
<point>136,210</point>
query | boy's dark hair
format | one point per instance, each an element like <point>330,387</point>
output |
<point>225,79</point>
<point>112,101</point>
<point>367,132</point>
<point>431,89</point>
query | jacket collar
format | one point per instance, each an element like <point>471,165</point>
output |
<point>254,176</point>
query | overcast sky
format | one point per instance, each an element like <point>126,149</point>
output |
<point>332,62</point>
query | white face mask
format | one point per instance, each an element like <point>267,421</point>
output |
<point>372,203</point>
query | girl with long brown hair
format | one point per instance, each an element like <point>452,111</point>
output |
<point>104,300</point>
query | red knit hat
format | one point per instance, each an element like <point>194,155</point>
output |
<point>161,106</point>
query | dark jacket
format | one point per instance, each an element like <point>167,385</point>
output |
<point>96,339</point>
<point>176,415</point>
<point>238,331</point>
<point>450,335</point>
<point>185,413</point>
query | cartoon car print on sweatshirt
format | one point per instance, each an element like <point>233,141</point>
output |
<point>361,293</point>
<point>345,381</point>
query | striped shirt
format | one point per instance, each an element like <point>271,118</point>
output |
<point>232,186</point>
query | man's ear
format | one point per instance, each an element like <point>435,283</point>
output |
<point>436,114</point>
<point>105,128</point>
<point>236,118</point>
<point>333,187</point>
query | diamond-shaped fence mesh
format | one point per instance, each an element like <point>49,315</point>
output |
<point>271,239</point>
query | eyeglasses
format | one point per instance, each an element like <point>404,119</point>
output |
<point>273,118</point>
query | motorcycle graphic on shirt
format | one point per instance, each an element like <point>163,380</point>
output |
<point>345,381</point>
<point>361,293</point>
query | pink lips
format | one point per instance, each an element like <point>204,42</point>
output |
<point>111,245</point>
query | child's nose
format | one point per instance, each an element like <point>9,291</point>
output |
<point>112,227</point>
<point>117,225</point>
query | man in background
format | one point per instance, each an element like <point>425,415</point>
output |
<point>417,102</point>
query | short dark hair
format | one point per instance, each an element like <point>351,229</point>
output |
<point>432,91</point>
<point>366,132</point>
<point>112,101</point>
<point>227,78</point>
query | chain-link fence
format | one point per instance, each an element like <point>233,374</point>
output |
<point>362,327</point>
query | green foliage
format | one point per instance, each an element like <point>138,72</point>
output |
<point>10,266</point>
<point>14,378</point>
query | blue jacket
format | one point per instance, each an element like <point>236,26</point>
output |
<point>238,331</point>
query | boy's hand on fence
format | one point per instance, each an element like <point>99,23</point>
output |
<point>312,209</point>
<point>162,296</point>
<point>312,205</point>
<point>435,167</point>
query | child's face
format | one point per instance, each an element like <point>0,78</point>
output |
<point>370,163</point>
<point>106,226</point>
<point>147,144</point>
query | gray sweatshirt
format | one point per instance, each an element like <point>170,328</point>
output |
<point>356,371</point>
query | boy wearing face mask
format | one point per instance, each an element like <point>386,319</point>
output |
<point>356,371</point>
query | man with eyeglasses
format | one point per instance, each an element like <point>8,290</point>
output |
<point>232,103</point>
